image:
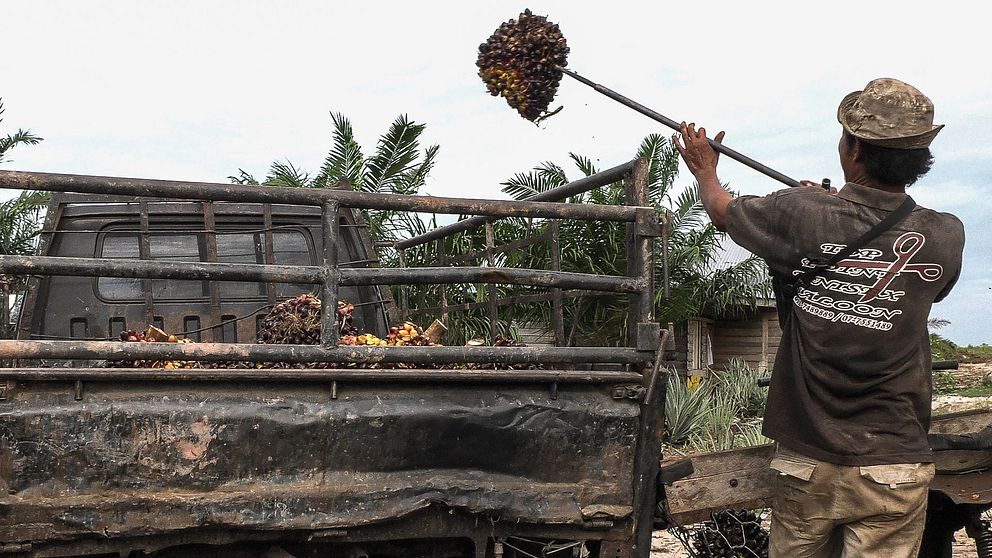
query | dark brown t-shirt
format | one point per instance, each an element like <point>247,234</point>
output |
<point>852,380</point>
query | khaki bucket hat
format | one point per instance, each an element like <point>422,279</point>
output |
<point>889,113</point>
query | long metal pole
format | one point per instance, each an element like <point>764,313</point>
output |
<point>378,375</point>
<point>207,191</point>
<point>565,191</point>
<point>99,267</point>
<point>102,350</point>
<point>719,147</point>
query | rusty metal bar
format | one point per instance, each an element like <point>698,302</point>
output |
<point>210,237</point>
<point>666,234</point>
<point>102,350</point>
<point>557,300</point>
<point>308,196</point>
<point>106,267</point>
<point>406,375</point>
<point>404,290</point>
<point>270,249</point>
<point>492,307</point>
<point>329,221</point>
<point>646,456</point>
<point>639,254</point>
<point>598,180</point>
<point>96,267</point>
<point>145,253</point>
<point>443,262</point>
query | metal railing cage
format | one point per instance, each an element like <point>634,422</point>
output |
<point>643,223</point>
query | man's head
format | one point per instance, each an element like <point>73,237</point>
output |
<point>888,128</point>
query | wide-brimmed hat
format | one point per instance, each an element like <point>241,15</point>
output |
<point>889,113</point>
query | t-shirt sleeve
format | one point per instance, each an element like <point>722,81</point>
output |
<point>752,222</point>
<point>959,256</point>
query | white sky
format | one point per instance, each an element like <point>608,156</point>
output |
<point>195,90</point>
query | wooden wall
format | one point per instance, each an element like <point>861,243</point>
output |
<point>755,339</point>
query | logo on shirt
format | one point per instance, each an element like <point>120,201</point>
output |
<point>904,248</point>
<point>867,262</point>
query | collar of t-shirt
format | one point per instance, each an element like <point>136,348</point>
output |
<point>872,197</point>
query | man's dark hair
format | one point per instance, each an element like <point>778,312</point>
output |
<point>901,167</point>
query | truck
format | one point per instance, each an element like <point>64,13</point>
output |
<point>326,449</point>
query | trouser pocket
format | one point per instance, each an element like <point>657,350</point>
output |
<point>900,474</point>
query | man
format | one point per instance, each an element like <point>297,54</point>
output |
<point>849,402</point>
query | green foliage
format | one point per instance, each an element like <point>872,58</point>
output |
<point>697,287</point>
<point>942,348</point>
<point>686,410</point>
<point>944,382</point>
<point>737,387</point>
<point>721,414</point>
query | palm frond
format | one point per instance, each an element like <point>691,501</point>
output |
<point>585,164</point>
<point>345,159</point>
<point>395,155</point>
<point>243,177</point>
<point>416,176</point>
<point>542,178</point>
<point>286,174</point>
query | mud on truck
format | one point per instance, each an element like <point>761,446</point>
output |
<point>315,449</point>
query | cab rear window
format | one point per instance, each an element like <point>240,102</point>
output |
<point>290,247</point>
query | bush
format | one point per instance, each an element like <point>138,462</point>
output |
<point>737,387</point>
<point>719,414</point>
<point>685,409</point>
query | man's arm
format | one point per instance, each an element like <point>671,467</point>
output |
<point>702,160</point>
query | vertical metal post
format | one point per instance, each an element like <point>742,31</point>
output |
<point>652,421</point>
<point>639,253</point>
<point>493,303</point>
<point>557,303</point>
<point>404,294</point>
<point>666,234</point>
<point>145,253</point>
<point>442,260</point>
<point>330,222</point>
<point>210,224</point>
<point>270,255</point>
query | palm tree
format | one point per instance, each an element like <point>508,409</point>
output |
<point>20,223</point>
<point>396,166</point>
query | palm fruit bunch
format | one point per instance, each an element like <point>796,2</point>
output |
<point>292,322</point>
<point>731,534</point>
<point>151,335</point>
<point>521,62</point>
<point>345,324</point>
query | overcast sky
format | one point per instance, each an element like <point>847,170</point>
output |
<point>196,90</point>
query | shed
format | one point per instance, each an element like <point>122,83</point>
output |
<point>754,335</point>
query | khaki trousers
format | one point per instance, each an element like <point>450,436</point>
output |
<point>825,510</point>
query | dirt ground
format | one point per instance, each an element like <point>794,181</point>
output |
<point>666,545</point>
